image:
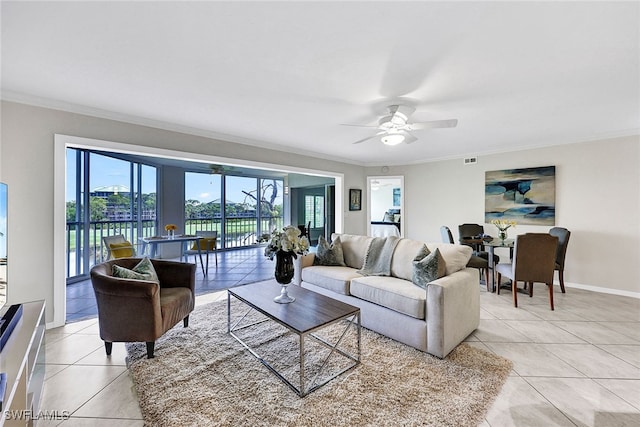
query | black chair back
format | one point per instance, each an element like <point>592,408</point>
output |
<point>445,232</point>
<point>469,230</point>
<point>563,241</point>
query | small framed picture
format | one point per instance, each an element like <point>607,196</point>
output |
<point>355,199</point>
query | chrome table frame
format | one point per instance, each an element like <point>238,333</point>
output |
<point>301,390</point>
<point>491,245</point>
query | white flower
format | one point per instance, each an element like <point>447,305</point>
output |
<point>503,224</point>
<point>287,240</point>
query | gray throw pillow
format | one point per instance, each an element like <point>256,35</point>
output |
<point>427,267</point>
<point>143,271</point>
<point>330,255</point>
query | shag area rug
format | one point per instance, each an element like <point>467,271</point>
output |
<point>201,376</point>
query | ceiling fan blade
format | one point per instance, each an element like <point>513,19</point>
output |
<point>369,137</point>
<point>451,123</point>
<point>400,113</point>
<point>359,126</point>
<point>408,137</point>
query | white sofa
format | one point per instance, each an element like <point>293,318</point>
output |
<point>434,320</point>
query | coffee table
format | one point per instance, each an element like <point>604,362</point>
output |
<point>309,313</point>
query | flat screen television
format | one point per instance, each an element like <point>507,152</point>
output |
<point>3,244</point>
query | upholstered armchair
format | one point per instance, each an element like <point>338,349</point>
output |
<point>131,310</point>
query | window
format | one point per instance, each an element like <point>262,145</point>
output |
<point>121,197</point>
<point>314,211</point>
<point>240,219</point>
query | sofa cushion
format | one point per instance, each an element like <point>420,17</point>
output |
<point>427,267</point>
<point>335,279</point>
<point>354,248</point>
<point>329,254</point>
<point>390,292</point>
<point>455,257</point>
<point>401,263</point>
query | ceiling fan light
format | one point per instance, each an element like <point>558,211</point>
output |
<point>392,139</point>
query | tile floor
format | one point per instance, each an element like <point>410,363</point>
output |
<point>235,267</point>
<point>576,366</point>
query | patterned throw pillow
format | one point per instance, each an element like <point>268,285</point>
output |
<point>427,267</point>
<point>329,255</point>
<point>143,271</point>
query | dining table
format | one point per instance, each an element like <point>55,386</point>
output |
<point>183,239</point>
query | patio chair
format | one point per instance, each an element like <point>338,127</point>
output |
<point>208,244</point>
<point>118,247</point>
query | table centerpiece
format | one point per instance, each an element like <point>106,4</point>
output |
<point>503,225</point>
<point>285,245</point>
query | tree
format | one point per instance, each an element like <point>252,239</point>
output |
<point>98,208</point>
<point>268,197</point>
<point>71,211</point>
<point>191,208</point>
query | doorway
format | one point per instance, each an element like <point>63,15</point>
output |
<point>385,206</point>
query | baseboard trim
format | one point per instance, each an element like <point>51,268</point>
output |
<point>601,290</point>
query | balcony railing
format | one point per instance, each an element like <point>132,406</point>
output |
<point>95,251</point>
<point>239,232</point>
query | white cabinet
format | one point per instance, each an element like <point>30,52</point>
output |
<point>22,359</point>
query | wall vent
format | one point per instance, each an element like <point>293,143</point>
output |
<point>470,160</point>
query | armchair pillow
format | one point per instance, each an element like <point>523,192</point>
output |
<point>143,271</point>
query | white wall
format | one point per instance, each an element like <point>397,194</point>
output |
<point>27,160</point>
<point>597,194</point>
<point>597,199</point>
<point>172,209</point>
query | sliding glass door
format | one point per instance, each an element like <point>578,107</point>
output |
<point>105,196</point>
<point>240,208</point>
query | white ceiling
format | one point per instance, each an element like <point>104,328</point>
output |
<point>287,75</point>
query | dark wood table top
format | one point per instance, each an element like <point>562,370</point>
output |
<point>309,311</point>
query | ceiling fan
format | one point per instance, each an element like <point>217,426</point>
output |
<point>394,128</point>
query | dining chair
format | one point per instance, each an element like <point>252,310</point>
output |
<point>534,257</point>
<point>482,264</point>
<point>469,231</point>
<point>304,231</point>
<point>208,244</point>
<point>563,241</point>
<point>118,247</point>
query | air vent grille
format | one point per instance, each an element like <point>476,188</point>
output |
<point>470,160</point>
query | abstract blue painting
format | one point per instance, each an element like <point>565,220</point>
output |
<point>527,196</point>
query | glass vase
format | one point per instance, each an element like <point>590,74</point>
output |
<point>502,235</point>
<point>284,274</point>
<point>171,234</point>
